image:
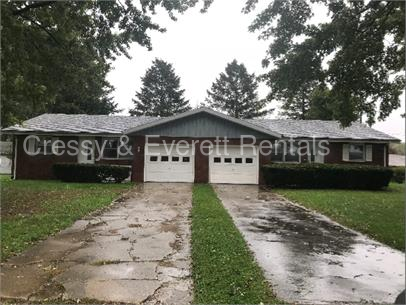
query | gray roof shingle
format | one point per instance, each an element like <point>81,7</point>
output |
<point>80,123</point>
<point>105,124</point>
<point>321,129</point>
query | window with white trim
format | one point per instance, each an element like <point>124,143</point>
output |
<point>356,152</point>
<point>115,149</point>
<point>285,152</point>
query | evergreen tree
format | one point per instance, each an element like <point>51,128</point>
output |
<point>160,94</point>
<point>235,92</point>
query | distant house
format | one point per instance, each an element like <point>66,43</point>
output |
<point>201,157</point>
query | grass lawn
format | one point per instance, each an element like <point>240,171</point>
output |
<point>379,214</point>
<point>224,271</point>
<point>32,210</point>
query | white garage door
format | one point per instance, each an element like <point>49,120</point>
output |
<point>163,165</point>
<point>234,166</point>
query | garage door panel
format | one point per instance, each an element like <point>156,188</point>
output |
<point>163,165</point>
<point>234,166</point>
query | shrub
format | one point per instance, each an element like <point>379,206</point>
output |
<point>73,172</point>
<point>398,174</point>
<point>327,176</point>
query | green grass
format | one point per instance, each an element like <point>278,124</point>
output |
<point>32,210</point>
<point>379,214</point>
<point>224,271</point>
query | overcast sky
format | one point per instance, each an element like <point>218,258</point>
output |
<point>199,46</point>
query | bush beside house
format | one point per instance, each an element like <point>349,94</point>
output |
<point>72,172</point>
<point>327,176</point>
<point>398,174</point>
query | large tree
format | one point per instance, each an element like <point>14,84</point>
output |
<point>358,54</point>
<point>56,54</point>
<point>235,92</point>
<point>160,94</point>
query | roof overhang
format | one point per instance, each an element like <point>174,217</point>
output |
<point>202,110</point>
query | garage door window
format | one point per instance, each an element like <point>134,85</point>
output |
<point>153,158</point>
<point>228,160</point>
<point>175,159</point>
<point>217,160</point>
<point>164,158</point>
<point>238,160</point>
<point>186,159</point>
<point>249,160</point>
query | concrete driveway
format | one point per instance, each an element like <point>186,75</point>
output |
<point>137,251</point>
<point>308,258</point>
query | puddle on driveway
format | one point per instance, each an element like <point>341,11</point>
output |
<point>308,258</point>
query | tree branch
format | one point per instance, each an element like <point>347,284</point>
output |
<point>41,27</point>
<point>36,4</point>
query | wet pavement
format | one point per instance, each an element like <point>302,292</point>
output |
<point>308,258</point>
<point>137,251</point>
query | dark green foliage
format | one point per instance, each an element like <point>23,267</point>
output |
<point>224,271</point>
<point>160,94</point>
<point>235,92</point>
<point>334,176</point>
<point>73,172</point>
<point>398,174</point>
<point>56,54</point>
<point>357,54</point>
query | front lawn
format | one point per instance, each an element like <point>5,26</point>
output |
<point>224,271</point>
<point>379,214</point>
<point>32,210</point>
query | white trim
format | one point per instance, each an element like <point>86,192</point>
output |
<point>15,158</point>
<point>369,153</point>
<point>202,110</point>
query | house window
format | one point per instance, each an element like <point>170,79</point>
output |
<point>356,152</point>
<point>114,149</point>
<point>278,152</point>
<point>292,153</point>
<point>285,152</point>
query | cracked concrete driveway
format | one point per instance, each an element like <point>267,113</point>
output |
<point>137,251</point>
<point>308,258</point>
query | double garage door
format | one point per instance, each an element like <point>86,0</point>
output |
<point>231,165</point>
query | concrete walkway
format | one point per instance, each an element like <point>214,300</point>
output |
<point>308,258</point>
<point>137,251</point>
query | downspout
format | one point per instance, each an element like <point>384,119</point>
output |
<point>14,161</point>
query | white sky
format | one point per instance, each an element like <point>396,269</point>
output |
<point>199,46</point>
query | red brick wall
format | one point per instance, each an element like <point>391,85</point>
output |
<point>40,167</point>
<point>336,154</point>
<point>138,160</point>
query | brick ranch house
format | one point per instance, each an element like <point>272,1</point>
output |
<point>196,129</point>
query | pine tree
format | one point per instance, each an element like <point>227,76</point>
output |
<point>235,92</point>
<point>160,94</point>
